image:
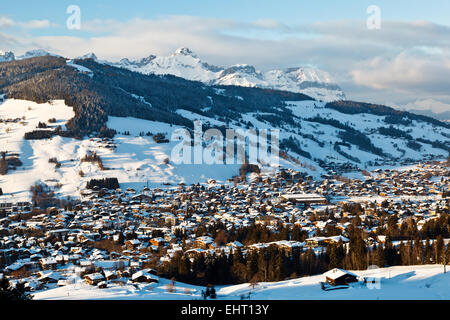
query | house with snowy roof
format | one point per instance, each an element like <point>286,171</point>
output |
<point>204,242</point>
<point>143,276</point>
<point>94,278</point>
<point>338,276</point>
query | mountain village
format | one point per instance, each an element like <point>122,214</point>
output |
<point>114,236</point>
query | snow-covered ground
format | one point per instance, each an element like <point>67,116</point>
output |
<point>138,160</point>
<point>426,282</point>
<point>35,154</point>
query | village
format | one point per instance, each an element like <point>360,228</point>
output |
<point>114,236</point>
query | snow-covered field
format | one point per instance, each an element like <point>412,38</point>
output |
<point>136,162</point>
<point>426,282</point>
<point>364,123</point>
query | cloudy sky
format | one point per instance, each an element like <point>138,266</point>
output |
<point>404,63</point>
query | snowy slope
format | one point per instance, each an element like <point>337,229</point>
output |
<point>396,283</point>
<point>138,160</point>
<point>184,63</point>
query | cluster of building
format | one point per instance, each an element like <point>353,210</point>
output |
<point>112,235</point>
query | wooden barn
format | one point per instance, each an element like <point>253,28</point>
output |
<point>94,278</point>
<point>336,277</point>
<point>143,276</point>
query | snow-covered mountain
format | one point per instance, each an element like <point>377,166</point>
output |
<point>36,53</point>
<point>89,55</point>
<point>6,56</point>
<point>10,56</point>
<point>184,63</point>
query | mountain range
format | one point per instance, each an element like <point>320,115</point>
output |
<point>184,63</point>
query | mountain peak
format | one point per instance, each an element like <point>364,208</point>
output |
<point>36,53</point>
<point>147,60</point>
<point>184,63</point>
<point>89,55</point>
<point>6,56</point>
<point>184,51</point>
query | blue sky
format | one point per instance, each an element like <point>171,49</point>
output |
<point>406,61</point>
<point>285,11</point>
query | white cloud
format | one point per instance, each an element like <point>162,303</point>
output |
<point>406,72</point>
<point>428,104</point>
<point>402,62</point>
<point>6,22</point>
<point>35,24</point>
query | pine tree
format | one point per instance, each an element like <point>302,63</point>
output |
<point>428,251</point>
<point>439,249</point>
<point>379,256</point>
<point>10,293</point>
<point>252,266</point>
<point>333,255</point>
<point>183,268</point>
<point>417,254</point>
<point>3,166</point>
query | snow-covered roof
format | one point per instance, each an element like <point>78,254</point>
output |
<point>337,273</point>
<point>95,276</point>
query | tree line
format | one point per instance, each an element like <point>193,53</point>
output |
<point>275,263</point>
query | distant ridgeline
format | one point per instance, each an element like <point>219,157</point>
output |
<point>393,116</point>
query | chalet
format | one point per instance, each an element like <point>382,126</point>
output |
<point>94,278</point>
<point>17,269</point>
<point>124,273</point>
<point>192,253</point>
<point>235,245</point>
<point>143,276</point>
<point>336,239</point>
<point>132,244</point>
<point>338,276</point>
<point>141,197</point>
<point>315,242</point>
<point>46,277</point>
<point>204,242</point>
<point>323,241</point>
<point>111,275</point>
<point>157,242</point>
<point>49,263</point>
